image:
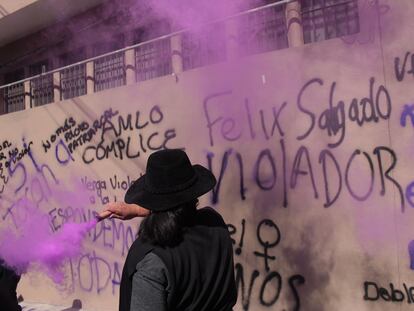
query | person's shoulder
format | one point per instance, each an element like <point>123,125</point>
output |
<point>151,261</point>
<point>209,216</point>
<point>151,270</point>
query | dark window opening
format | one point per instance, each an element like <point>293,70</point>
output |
<point>327,19</point>
<point>152,59</point>
<point>13,95</point>
<point>72,79</point>
<point>204,47</point>
<point>263,31</point>
<point>41,88</point>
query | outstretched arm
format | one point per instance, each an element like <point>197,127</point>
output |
<point>123,211</point>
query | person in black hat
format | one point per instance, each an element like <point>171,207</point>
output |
<point>8,284</point>
<point>183,257</point>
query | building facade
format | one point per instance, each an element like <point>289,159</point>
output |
<point>64,59</point>
<point>303,110</point>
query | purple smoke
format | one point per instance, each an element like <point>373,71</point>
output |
<point>35,246</point>
<point>190,14</point>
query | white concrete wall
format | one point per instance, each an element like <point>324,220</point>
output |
<point>299,167</point>
<point>10,6</point>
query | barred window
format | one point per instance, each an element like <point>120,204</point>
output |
<point>73,79</point>
<point>263,31</point>
<point>13,95</point>
<point>205,46</point>
<point>109,71</point>
<point>152,59</point>
<point>14,98</point>
<point>41,88</point>
<point>326,19</point>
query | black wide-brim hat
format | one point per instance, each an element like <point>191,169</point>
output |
<point>170,180</point>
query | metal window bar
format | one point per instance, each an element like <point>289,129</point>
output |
<point>109,71</point>
<point>263,31</point>
<point>153,60</point>
<point>73,82</point>
<point>14,98</point>
<point>204,47</point>
<point>327,19</point>
<point>41,90</point>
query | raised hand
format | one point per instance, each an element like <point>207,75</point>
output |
<point>123,211</point>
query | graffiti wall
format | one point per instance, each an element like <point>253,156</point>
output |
<point>312,149</point>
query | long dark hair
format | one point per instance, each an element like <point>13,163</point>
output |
<point>166,228</point>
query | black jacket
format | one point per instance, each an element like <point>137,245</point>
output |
<point>8,285</point>
<point>200,267</point>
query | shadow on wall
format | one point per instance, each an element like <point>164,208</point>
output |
<point>315,270</point>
